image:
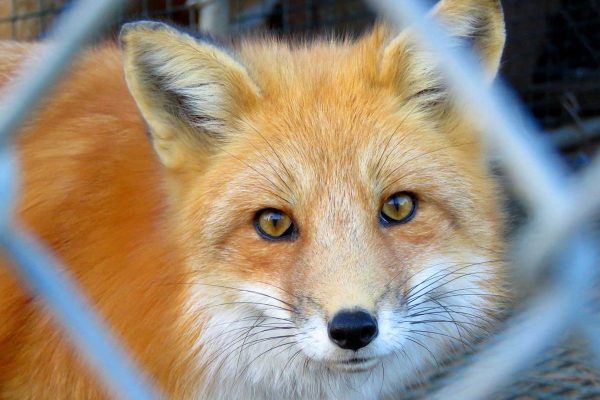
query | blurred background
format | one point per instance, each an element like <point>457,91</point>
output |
<point>552,58</point>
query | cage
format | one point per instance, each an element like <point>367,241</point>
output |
<point>552,61</point>
<point>552,57</point>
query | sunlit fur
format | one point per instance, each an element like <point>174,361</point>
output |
<point>159,232</point>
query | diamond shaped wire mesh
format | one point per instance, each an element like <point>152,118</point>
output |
<point>560,205</point>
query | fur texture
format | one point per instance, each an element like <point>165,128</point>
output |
<point>160,233</point>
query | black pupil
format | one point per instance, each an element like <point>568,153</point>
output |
<point>396,202</point>
<point>275,219</point>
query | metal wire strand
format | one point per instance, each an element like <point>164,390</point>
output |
<point>33,263</point>
<point>540,179</point>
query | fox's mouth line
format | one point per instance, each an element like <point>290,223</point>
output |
<point>352,361</point>
<point>355,364</point>
<point>357,360</point>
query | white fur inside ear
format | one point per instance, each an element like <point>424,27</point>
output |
<point>199,96</point>
<point>189,92</point>
<point>475,23</point>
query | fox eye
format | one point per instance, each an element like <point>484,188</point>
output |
<point>399,208</point>
<point>273,224</point>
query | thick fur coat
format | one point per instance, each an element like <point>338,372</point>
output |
<point>145,169</point>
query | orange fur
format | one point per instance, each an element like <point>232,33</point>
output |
<point>318,130</point>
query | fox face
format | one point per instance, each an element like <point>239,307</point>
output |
<point>341,230</point>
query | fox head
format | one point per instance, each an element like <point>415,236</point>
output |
<point>340,226</point>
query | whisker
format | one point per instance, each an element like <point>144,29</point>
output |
<point>438,295</point>
<point>259,173</point>
<point>452,318</point>
<point>279,288</point>
<point>426,333</point>
<point>225,356</point>
<point>278,157</point>
<point>247,291</point>
<point>382,379</point>
<point>288,363</point>
<point>389,285</point>
<point>247,303</point>
<point>452,307</point>
<point>381,162</point>
<point>446,321</point>
<point>416,158</point>
<point>245,330</point>
<point>288,344</point>
<point>461,313</point>
<point>455,271</point>
<point>415,341</point>
<point>411,299</point>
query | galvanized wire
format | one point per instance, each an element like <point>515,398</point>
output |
<point>32,262</point>
<point>45,277</point>
<point>75,27</point>
<point>536,172</point>
<point>541,182</point>
<point>495,110</point>
<point>546,320</point>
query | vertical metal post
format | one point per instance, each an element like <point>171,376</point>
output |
<point>41,14</point>
<point>13,16</point>
<point>145,9</point>
<point>214,17</point>
<point>169,8</point>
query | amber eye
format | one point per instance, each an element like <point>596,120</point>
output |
<point>274,224</point>
<point>399,208</point>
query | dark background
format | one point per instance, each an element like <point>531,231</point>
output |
<point>552,57</point>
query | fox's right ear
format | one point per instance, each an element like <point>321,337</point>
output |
<point>478,24</point>
<point>189,92</point>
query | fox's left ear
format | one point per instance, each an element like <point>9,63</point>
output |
<point>190,92</point>
<point>480,23</point>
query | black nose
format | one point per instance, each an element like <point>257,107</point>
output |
<point>352,329</point>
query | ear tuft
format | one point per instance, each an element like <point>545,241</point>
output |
<point>133,26</point>
<point>479,23</point>
<point>189,91</point>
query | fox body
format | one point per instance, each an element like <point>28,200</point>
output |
<point>159,172</point>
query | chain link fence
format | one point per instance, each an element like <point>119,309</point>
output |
<point>552,58</point>
<point>549,348</point>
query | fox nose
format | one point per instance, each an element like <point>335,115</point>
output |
<point>352,330</point>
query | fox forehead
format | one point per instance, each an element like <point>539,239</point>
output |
<point>333,149</point>
<point>320,130</point>
<point>333,190</point>
<point>279,65</point>
<point>324,115</point>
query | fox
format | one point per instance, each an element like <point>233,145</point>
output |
<point>262,219</point>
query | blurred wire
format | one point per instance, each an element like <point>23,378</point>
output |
<point>506,126</point>
<point>47,278</point>
<point>536,172</point>
<point>545,321</point>
<point>540,180</point>
<point>32,262</point>
<point>75,27</point>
